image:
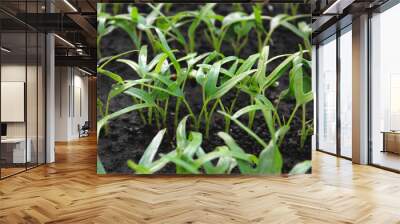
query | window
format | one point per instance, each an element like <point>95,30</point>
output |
<point>22,101</point>
<point>346,92</point>
<point>327,95</point>
<point>385,89</point>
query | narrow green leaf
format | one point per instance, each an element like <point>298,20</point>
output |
<point>193,144</point>
<point>212,79</point>
<point>118,113</point>
<point>151,150</point>
<point>133,65</point>
<point>159,58</point>
<point>139,169</point>
<point>107,60</point>
<point>201,16</point>
<point>278,71</point>
<point>193,61</point>
<point>245,128</point>
<point>262,65</point>
<point>120,88</point>
<point>161,163</point>
<point>166,49</point>
<point>301,168</point>
<point>190,168</point>
<point>246,110</point>
<point>244,166</point>
<point>111,75</point>
<point>231,83</point>
<point>271,161</point>
<point>100,167</point>
<point>297,75</point>
<point>141,94</point>
<point>181,138</point>
<point>143,59</point>
<point>248,63</point>
<point>127,26</point>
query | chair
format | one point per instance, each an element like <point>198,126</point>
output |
<point>84,130</point>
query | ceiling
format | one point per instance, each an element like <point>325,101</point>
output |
<point>74,22</point>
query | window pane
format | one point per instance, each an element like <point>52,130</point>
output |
<point>346,94</point>
<point>385,114</point>
<point>327,96</point>
<point>31,99</point>
<point>15,150</point>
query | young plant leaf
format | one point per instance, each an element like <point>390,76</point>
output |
<point>100,167</point>
<point>185,166</point>
<point>301,168</point>
<point>118,113</point>
<point>139,169</point>
<point>181,138</point>
<point>278,71</point>
<point>111,75</point>
<point>193,144</point>
<point>212,79</point>
<point>259,76</point>
<point>244,166</point>
<point>245,128</point>
<point>301,97</point>
<point>167,50</point>
<point>231,83</point>
<point>270,160</point>
<point>141,94</point>
<point>247,109</point>
<point>151,150</point>
<point>119,88</point>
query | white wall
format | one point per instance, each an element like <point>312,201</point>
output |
<point>33,126</point>
<point>16,73</point>
<point>71,102</point>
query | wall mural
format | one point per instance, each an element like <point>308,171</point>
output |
<point>204,89</point>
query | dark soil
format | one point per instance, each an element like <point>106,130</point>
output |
<point>128,137</point>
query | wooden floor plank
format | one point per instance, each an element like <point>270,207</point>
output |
<point>70,191</point>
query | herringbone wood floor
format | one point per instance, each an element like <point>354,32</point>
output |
<point>69,191</point>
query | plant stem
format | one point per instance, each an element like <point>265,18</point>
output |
<point>157,118</point>
<point>241,45</point>
<point>202,111</point>
<point>177,107</point>
<point>203,108</point>
<point>150,115</point>
<point>106,114</point>
<point>267,39</point>
<point>251,113</point>
<point>190,110</point>
<point>141,115</point>
<point>292,115</point>
<point>226,129</point>
<point>288,123</point>
<point>259,41</point>
<point>164,120</point>
<point>208,121</point>
<point>230,110</point>
<point>99,47</point>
